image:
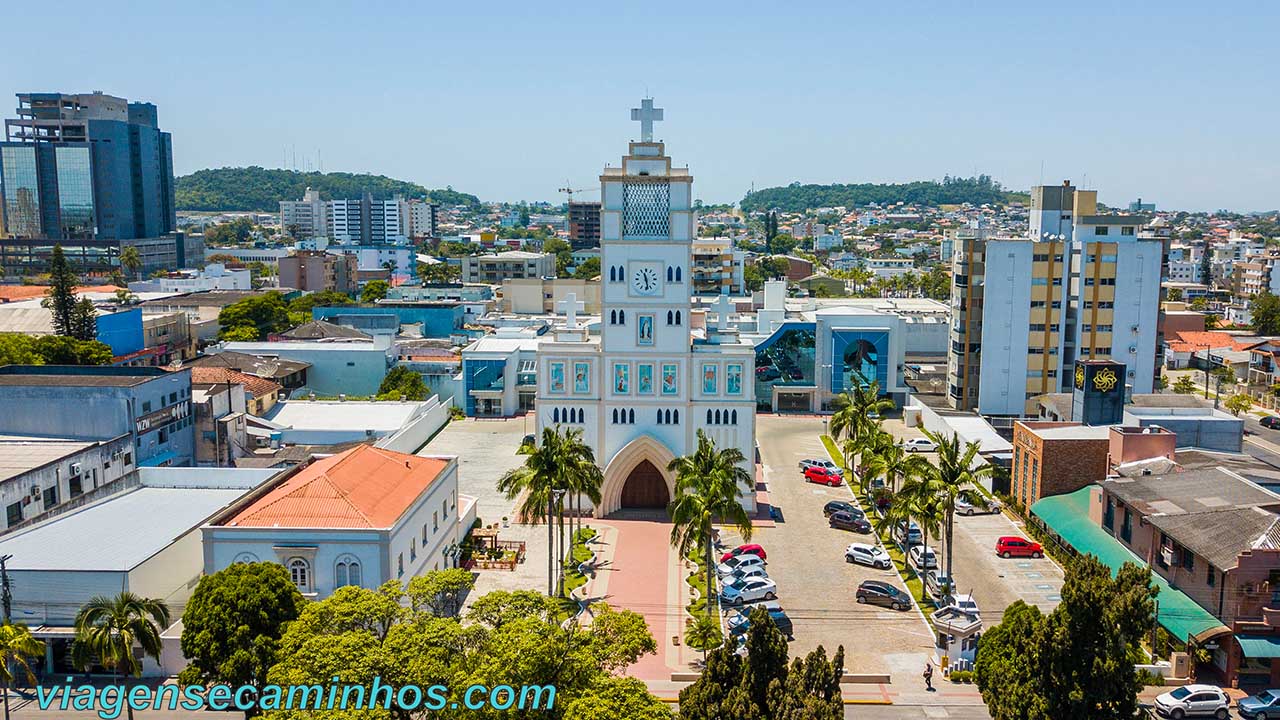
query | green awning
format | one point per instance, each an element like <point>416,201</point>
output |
<point>1067,516</point>
<point>1259,646</point>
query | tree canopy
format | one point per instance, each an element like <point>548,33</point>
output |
<point>509,638</point>
<point>399,381</point>
<point>374,290</point>
<point>233,623</point>
<point>262,189</point>
<point>1077,661</point>
<point>952,190</point>
<point>1266,314</point>
<point>263,314</point>
<point>18,349</point>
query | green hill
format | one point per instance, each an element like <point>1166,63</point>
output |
<point>262,189</point>
<point>797,198</point>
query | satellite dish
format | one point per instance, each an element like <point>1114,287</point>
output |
<point>175,364</point>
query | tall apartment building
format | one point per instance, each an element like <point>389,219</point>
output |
<point>315,270</point>
<point>361,222</point>
<point>303,219</point>
<point>716,267</point>
<point>91,172</point>
<point>584,225</point>
<point>1079,286</point>
<point>1255,276</point>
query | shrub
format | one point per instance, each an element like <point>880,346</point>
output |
<point>962,676</point>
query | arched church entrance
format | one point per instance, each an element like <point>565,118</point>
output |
<point>645,488</point>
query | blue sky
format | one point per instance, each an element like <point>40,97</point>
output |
<point>1175,102</point>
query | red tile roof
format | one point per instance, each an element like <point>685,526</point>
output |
<point>365,487</point>
<point>14,293</point>
<point>1191,341</point>
<point>208,375</point>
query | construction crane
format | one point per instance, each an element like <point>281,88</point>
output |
<point>567,190</point>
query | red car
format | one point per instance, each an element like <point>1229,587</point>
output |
<point>822,476</point>
<point>744,549</point>
<point>1012,546</point>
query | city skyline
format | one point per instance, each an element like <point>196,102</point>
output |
<point>821,94</point>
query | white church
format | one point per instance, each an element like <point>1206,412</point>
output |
<point>655,374</point>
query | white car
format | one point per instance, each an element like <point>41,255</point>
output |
<point>744,572</point>
<point>750,591</point>
<point>923,558</point>
<point>743,561</point>
<point>864,554</point>
<point>964,507</point>
<point>1194,701</point>
<point>824,464</point>
<point>919,445</point>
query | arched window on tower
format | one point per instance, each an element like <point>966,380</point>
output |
<point>708,416</point>
<point>735,417</point>
<point>613,276</point>
<point>622,317</point>
<point>676,419</point>
<point>615,416</point>
<point>678,275</point>
<point>677,317</point>
<point>669,273</point>
<point>659,420</point>
<point>555,415</point>
<point>631,417</point>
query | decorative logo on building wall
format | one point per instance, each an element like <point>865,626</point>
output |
<point>1079,377</point>
<point>1105,380</point>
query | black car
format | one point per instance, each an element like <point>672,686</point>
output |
<point>1271,422</point>
<point>846,521</point>
<point>882,593</point>
<point>836,506</point>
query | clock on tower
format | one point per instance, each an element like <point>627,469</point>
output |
<point>645,281</point>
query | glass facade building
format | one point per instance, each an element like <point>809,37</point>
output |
<point>90,172</point>
<point>20,182</point>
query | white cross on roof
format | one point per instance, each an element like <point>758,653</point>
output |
<point>571,305</point>
<point>723,306</point>
<point>646,114</point>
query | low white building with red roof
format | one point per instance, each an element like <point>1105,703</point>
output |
<point>361,517</point>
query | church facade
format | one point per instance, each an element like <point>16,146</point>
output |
<point>656,374</point>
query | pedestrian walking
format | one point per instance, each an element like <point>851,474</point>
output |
<point>928,676</point>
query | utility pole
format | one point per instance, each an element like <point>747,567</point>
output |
<point>5,595</point>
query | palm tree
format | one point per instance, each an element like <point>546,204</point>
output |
<point>107,628</point>
<point>131,259</point>
<point>709,483</point>
<point>895,464</point>
<point>553,467</point>
<point>16,645</point>
<point>923,504</point>
<point>870,446</point>
<point>704,632</point>
<point>955,476</point>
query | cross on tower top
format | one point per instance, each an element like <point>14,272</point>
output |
<point>571,305</point>
<point>646,115</point>
<point>723,306</point>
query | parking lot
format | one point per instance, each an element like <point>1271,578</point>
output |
<point>806,558</point>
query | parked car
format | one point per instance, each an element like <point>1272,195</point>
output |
<point>529,440</point>
<point>1262,706</point>
<point>865,554</point>
<point>815,462</point>
<point>822,476</point>
<point>744,573</point>
<point>740,623</point>
<point>751,549</point>
<point>744,560</point>
<point>1012,546</point>
<point>908,534</point>
<point>878,592</point>
<point>938,584</point>
<point>919,445</point>
<point>1194,701</point>
<point>767,373</point>
<point>836,506</point>
<point>750,591</point>
<point>1271,422</point>
<point>922,558</point>
<point>848,521</point>
<point>964,507</point>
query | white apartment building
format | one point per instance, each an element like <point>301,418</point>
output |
<point>364,222</point>
<point>305,218</point>
<point>1079,286</point>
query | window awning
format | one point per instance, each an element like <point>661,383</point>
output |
<point>1259,646</point>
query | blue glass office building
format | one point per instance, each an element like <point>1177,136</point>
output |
<point>89,172</point>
